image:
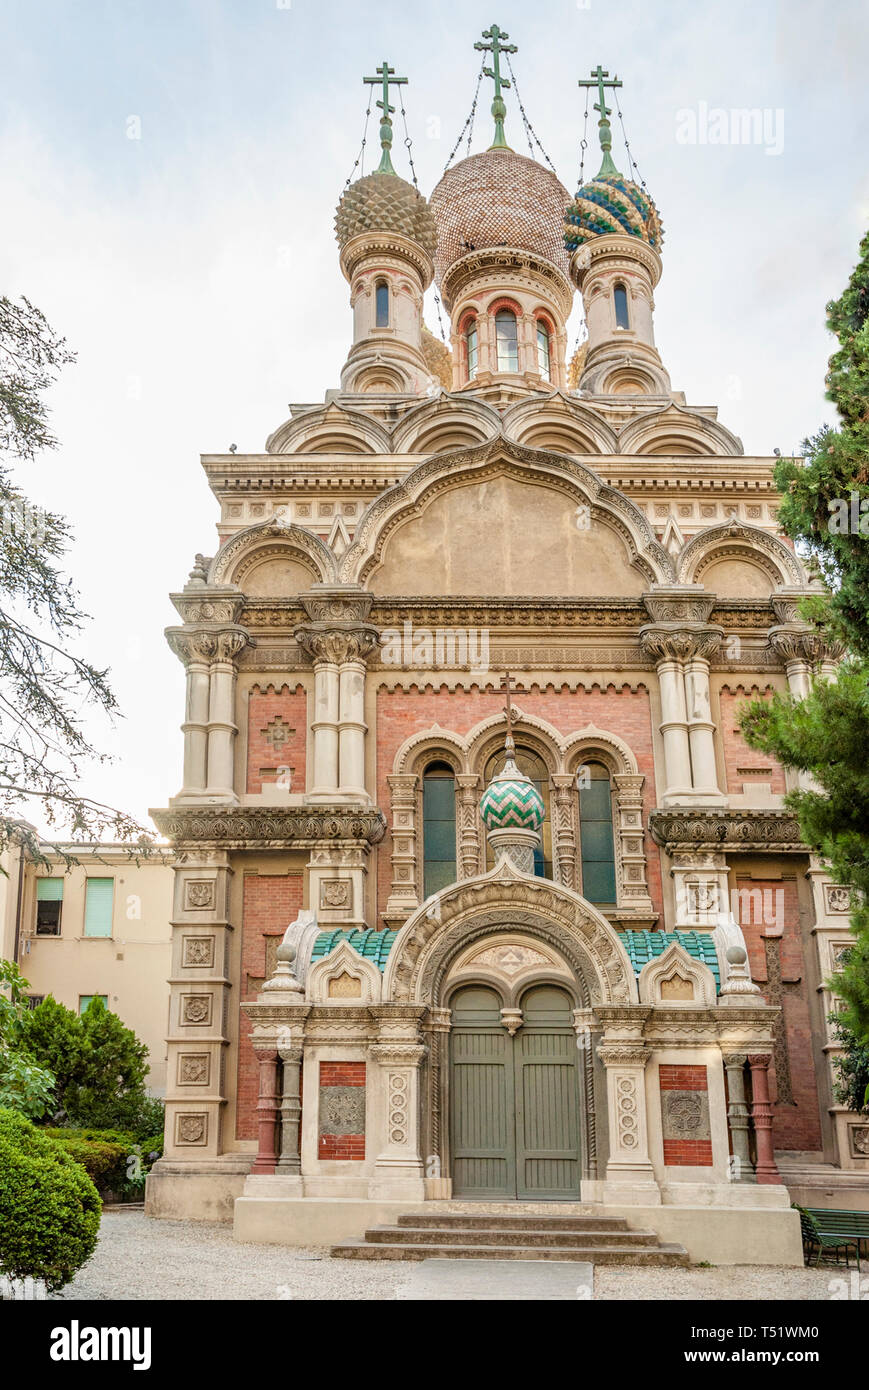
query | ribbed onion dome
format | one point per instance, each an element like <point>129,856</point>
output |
<point>382,202</point>
<point>498,198</point>
<point>611,204</point>
<point>511,801</point>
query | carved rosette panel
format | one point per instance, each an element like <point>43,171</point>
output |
<point>633,889</point>
<point>398,1093</point>
<point>403,896</point>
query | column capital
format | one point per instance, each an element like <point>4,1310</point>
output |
<point>208,644</point>
<point>337,643</point>
<point>801,642</point>
<point>680,642</point>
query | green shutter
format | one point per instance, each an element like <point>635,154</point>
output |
<point>49,890</point>
<point>99,897</point>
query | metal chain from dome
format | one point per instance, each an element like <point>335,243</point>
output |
<point>407,140</point>
<point>631,161</point>
<point>529,129</point>
<point>437,300</point>
<point>583,144</point>
<point>361,154</point>
<point>469,121</point>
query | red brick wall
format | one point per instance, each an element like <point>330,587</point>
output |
<point>343,1146</point>
<point>682,1153</point>
<point>264,706</point>
<point>795,1126</point>
<point>625,713</point>
<point>270,903</point>
<point>737,753</point>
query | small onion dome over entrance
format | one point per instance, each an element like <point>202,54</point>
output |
<point>511,801</point>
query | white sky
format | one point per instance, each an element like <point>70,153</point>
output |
<point>195,271</point>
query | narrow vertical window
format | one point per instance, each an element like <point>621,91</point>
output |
<point>99,897</point>
<point>49,906</point>
<point>381,297</point>
<point>471,355</point>
<point>506,341</point>
<point>596,837</point>
<point>543,358</point>
<point>620,300</point>
<point>438,828</point>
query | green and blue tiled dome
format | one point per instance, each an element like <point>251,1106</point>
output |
<point>610,204</point>
<point>511,801</point>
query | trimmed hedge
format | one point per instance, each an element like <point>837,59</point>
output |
<point>102,1153</point>
<point>49,1208</point>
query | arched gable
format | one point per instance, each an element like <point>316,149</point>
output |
<point>722,556</point>
<point>270,558</point>
<point>675,429</point>
<point>560,423</point>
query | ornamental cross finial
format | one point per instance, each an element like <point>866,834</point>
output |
<point>599,79</point>
<point>507,687</point>
<point>386,79</point>
<point>496,47</point>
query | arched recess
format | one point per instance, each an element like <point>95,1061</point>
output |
<point>330,429</point>
<point>738,560</point>
<point>449,422</point>
<point>273,560</point>
<point>423,533</point>
<point>492,909</point>
<point>676,429</point>
<point>559,423</point>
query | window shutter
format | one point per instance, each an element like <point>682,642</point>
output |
<point>49,890</point>
<point>98,906</point>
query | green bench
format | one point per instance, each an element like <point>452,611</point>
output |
<point>831,1229</point>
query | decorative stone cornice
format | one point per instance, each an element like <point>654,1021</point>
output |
<point>679,603</point>
<point>245,827</point>
<point>212,604</point>
<point>675,830</point>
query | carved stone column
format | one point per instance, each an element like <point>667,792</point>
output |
<point>403,896</point>
<point>701,726</point>
<point>632,888</point>
<point>195,649</point>
<point>323,651</point>
<point>267,1111</point>
<point>666,649</point>
<point>630,1177</point>
<point>399,1169</point>
<point>290,1161</point>
<point>222,728</point>
<point>761,1114</point>
<point>802,650</point>
<point>564,797</point>
<point>438,1182</point>
<point>468,790</point>
<point>737,1117</point>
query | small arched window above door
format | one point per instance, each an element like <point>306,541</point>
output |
<point>381,304</point>
<point>438,828</point>
<point>596,846</point>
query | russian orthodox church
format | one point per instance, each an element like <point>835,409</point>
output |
<point>480,894</point>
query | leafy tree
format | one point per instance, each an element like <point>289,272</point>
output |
<point>49,1208</point>
<point>45,689</point>
<point>24,1085</point>
<point>851,1086</point>
<point>827,733</point>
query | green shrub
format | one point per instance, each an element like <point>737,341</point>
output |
<point>102,1155</point>
<point>49,1208</point>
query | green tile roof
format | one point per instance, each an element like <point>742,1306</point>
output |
<point>373,945</point>
<point>643,946</point>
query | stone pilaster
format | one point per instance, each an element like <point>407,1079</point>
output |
<point>403,895</point>
<point>629,1178</point>
<point>631,856</point>
<point>468,804</point>
<point>399,1169</point>
<point>742,1168</point>
<point>564,815</point>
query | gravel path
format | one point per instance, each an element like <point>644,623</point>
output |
<point>141,1258</point>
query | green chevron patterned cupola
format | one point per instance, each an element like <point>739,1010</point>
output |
<point>511,801</point>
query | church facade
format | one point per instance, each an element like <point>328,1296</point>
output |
<point>479,893</point>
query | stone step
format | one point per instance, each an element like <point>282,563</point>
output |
<point>491,1221</point>
<point>655,1256</point>
<point>423,1235</point>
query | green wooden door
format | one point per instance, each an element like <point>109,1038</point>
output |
<point>481,1097</point>
<point>514,1101</point>
<point>547,1119</point>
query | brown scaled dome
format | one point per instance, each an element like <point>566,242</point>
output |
<point>385,203</point>
<point>499,198</point>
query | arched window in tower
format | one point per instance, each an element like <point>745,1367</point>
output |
<point>471,351</point>
<point>536,771</point>
<point>507,341</point>
<point>597,855</point>
<point>620,303</point>
<point>438,828</point>
<point>544,362</point>
<point>381,304</point>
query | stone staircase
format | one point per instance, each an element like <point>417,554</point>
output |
<point>462,1235</point>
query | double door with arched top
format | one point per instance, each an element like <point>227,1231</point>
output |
<point>514,1101</point>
